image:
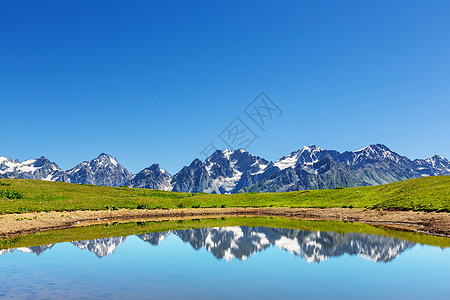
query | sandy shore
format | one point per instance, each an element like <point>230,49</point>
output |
<point>430,223</point>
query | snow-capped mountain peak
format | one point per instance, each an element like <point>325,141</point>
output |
<point>437,161</point>
<point>223,172</point>
<point>152,178</point>
<point>40,168</point>
<point>370,154</point>
<point>102,170</point>
<point>226,153</point>
<point>104,158</point>
<point>435,165</point>
<point>307,155</point>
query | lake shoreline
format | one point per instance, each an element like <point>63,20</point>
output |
<point>424,222</point>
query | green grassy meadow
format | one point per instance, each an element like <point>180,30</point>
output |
<point>21,195</point>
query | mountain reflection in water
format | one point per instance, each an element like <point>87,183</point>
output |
<point>240,242</point>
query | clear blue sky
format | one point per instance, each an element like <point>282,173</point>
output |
<point>156,81</point>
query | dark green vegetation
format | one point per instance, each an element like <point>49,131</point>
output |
<point>124,229</point>
<point>8,194</point>
<point>424,194</point>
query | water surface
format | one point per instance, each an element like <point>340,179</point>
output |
<point>229,262</point>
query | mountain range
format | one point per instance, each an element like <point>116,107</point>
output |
<point>230,243</point>
<point>237,171</point>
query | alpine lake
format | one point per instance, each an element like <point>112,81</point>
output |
<point>228,258</point>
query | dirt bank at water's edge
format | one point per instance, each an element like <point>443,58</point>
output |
<point>17,224</point>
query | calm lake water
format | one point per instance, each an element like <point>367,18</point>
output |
<point>229,262</point>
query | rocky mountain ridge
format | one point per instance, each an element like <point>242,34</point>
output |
<point>228,171</point>
<point>102,170</point>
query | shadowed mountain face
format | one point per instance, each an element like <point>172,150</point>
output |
<point>241,242</point>
<point>316,168</point>
<point>223,172</point>
<point>152,178</point>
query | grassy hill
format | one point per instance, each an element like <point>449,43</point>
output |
<point>20,195</point>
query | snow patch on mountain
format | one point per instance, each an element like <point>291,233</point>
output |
<point>369,154</point>
<point>40,168</point>
<point>307,155</point>
<point>223,172</point>
<point>102,170</point>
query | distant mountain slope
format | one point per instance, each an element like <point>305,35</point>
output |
<point>372,165</point>
<point>152,178</point>
<point>223,172</point>
<point>307,155</point>
<point>40,168</point>
<point>103,170</point>
<point>433,166</point>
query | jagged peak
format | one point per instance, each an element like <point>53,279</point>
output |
<point>156,168</point>
<point>196,162</point>
<point>16,161</point>
<point>28,161</point>
<point>228,152</point>
<point>437,157</point>
<point>311,148</point>
<point>3,158</point>
<point>306,154</point>
<point>373,147</point>
<point>106,158</point>
<point>105,155</point>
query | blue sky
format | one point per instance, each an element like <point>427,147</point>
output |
<point>149,81</point>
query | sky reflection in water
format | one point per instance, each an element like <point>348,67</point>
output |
<point>225,262</point>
